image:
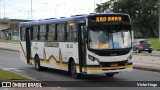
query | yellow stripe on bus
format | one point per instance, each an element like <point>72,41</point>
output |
<point>109,68</point>
<point>52,59</point>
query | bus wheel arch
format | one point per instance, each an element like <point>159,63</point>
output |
<point>69,63</point>
<point>72,69</point>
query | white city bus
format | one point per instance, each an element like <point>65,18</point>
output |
<point>81,44</point>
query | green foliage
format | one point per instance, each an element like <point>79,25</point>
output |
<point>5,75</point>
<point>143,13</point>
<point>155,43</point>
<point>9,41</point>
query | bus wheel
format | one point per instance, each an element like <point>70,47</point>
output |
<point>37,64</point>
<point>110,74</point>
<point>73,71</point>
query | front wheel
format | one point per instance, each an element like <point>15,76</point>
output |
<point>73,70</point>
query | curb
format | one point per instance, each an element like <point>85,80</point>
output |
<point>9,49</point>
<point>139,67</point>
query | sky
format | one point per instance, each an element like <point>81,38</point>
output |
<point>42,9</point>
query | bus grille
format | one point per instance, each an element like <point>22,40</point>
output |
<point>107,64</point>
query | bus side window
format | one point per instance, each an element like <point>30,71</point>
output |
<point>46,35</point>
<point>51,32</point>
<point>42,33</point>
<point>71,34</point>
<point>35,33</point>
<point>38,34</point>
<point>23,33</point>
<point>61,32</point>
<point>31,33</point>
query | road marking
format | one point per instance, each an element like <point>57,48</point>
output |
<point>10,68</point>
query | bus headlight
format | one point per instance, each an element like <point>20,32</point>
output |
<point>129,60</point>
<point>93,59</point>
<point>96,60</point>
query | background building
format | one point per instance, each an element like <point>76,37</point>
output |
<point>9,28</point>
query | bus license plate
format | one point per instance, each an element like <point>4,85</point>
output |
<point>114,65</point>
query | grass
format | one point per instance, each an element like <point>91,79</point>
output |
<point>6,75</point>
<point>155,43</point>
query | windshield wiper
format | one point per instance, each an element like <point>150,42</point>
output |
<point>122,36</point>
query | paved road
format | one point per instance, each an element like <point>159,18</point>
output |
<point>11,61</point>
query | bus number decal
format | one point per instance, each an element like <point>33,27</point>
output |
<point>69,45</point>
<point>52,44</point>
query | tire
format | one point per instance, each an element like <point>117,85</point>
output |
<point>137,50</point>
<point>110,74</point>
<point>150,51</point>
<point>37,64</point>
<point>73,71</point>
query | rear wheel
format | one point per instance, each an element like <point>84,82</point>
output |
<point>137,50</point>
<point>110,74</point>
<point>37,64</point>
<point>73,70</point>
<point>150,51</point>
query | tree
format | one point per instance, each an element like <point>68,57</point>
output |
<point>143,13</point>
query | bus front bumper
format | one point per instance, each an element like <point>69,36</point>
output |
<point>103,70</point>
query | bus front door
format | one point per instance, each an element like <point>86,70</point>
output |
<point>82,47</point>
<point>28,44</point>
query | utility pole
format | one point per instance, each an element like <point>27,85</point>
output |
<point>4,8</point>
<point>94,5</point>
<point>0,13</point>
<point>31,11</point>
<point>55,11</point>
<point>159,17</point>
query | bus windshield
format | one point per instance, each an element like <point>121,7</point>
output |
<point>107,37</point>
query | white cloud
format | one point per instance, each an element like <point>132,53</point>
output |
<point>20,9</point>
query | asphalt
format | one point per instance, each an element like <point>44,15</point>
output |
<point>142,61</point>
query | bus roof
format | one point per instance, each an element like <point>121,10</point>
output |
<point>80,18</point>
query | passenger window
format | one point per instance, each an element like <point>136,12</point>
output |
<point>31,33</point>
<point>36,35</point>
<point>23,33</point>
<point>43,29</point>
<point>72,34</point>
<point>61,32</point>
<point>51,32</point>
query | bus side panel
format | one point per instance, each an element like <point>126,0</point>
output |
<point>58,57</point>
<point>68,50</point>
<point>51,55</point>
<point>37,48</point>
